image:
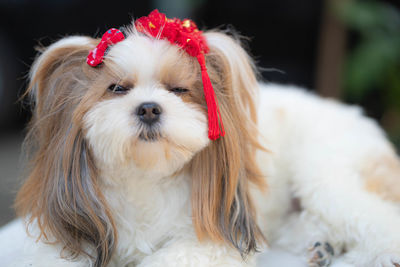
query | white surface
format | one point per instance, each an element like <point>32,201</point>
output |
<point>12,239</point>
<point>279,258</point>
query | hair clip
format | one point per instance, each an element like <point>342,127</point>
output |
<point>110,37</point>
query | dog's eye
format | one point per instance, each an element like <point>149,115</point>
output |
<point>178,90</point>
<point>118,89</point>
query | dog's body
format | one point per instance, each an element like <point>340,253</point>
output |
<point>329,160</point>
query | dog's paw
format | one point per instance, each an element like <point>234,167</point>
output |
<point>320,255</point>
<point>388,260</point>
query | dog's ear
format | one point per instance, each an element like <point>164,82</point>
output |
<point>57,66</point>
<point>222,207</point>
<point>61,195</point>
<point>233,71</point>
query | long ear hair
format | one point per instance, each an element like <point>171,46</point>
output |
<point>221,205</point>
<point>61,195</point>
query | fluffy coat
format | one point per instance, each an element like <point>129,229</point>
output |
<point>106,190</point>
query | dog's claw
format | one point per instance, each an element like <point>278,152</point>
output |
<point>317,244</point>
<point>321,255</point>
<point>329,248</point>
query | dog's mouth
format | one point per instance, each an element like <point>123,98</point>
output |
<point>150,134</point>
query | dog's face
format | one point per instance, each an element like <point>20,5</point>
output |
<point>142,110</point>
<point>152,114</point>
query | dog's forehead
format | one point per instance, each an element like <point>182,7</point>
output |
<point>142,55</point>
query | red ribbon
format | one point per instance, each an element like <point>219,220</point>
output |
<point>96,56</point>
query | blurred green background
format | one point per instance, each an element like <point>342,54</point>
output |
<point>371,74</point>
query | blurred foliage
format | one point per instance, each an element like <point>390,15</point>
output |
<point>374,63</point>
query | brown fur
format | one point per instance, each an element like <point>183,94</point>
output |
<point>61,194</point>
<point>222,207</point>
<point>173,73</point>
<point>382,176</point>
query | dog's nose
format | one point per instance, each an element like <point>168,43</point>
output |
<point>149,113</point>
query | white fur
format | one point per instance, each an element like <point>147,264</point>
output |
<point>315,147</point>
<point>112,124</point>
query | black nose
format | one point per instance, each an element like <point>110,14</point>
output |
<point>149,113</point>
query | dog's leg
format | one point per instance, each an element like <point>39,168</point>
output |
<point>307,236</point>
<point>321,254</point>
<point>366,223</point>
<point>323,148</point>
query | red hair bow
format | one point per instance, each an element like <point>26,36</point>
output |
<point>112,36</point>
<point>186,35</point>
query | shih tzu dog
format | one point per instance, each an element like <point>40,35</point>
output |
<point>157,146</point>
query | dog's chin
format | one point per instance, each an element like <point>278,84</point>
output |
<point>150,134</point>
<point>158,150</point>
<point>152,152</point>
<point>146,151</point>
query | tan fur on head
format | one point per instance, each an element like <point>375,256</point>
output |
<point>222,208</point>
<point>61,194</point>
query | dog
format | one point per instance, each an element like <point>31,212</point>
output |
<point>158,151</point>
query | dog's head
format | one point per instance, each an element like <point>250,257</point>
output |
<point>143,110</point>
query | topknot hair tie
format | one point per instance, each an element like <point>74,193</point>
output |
<point>184,34</point>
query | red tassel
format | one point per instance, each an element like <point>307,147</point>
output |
<point>186,35</point>
<point>215,126</point>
